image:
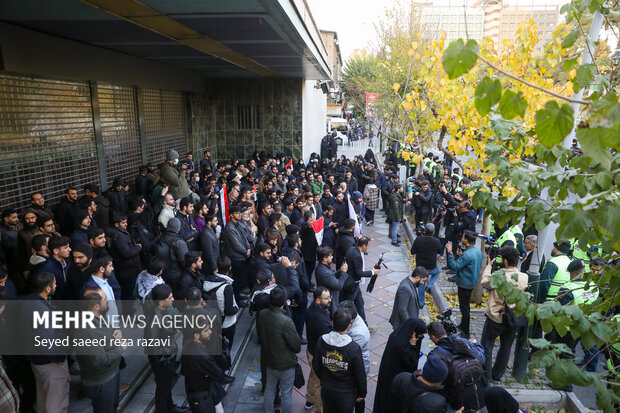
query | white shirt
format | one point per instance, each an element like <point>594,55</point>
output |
<point>109,293</point>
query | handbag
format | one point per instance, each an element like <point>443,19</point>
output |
<point>511,320</point>
<point>299,377</point>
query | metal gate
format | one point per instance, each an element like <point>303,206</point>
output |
<point>47,139</point>
<point>164,116</point>
<point>120,131</point>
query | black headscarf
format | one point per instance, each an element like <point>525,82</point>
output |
<point>399,356</point>
<point>499,400</point>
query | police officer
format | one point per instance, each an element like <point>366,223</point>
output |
<point>555,273</point>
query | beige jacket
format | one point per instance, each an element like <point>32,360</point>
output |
<point>495,304</point>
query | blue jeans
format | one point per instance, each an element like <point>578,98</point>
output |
<point>591,356</point>
<point>432,277</point>
<point>286,379</point>
<point>394,234</point>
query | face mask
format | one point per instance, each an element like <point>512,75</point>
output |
<point>197,179</point>
<point>176,162</point>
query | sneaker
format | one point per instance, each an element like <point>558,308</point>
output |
<point>452,279</point>
<point>309,406</point>
<point>396,244</point>
<point>369,223</point>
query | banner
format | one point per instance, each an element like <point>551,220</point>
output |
<point>289,164</point>
<point>371,99</point>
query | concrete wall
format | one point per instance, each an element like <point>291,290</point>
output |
<point>32,53</point>
<point>314,107</point>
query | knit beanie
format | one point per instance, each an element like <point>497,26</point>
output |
<point>85,249</point>
<point>435,370</point>
<point>172,155</point>
<point>174,225</point>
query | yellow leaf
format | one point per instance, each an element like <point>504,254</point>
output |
<point>410,52</point>
<point>572,74</point>
<point>396,86</point>
<point>414,45</point>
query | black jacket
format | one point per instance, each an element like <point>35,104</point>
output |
<point>210,247</point>
<point>187,280</point>
<point>339,365</point>
<point>188,231</point>
<point>354,260</point>
<point>64,215</point>
<point>341,211</point>
<point>317,324</point>
<point>308,242</point>
<point>415,396</point>
<point>159,330</point>
<point>37,303</point>
<point>118,201</point>
<point>125,252</point>
<point>202,373</point>
<point>426,248</point>
<point>344,241</point>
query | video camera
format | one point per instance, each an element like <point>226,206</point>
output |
<point>373,279</point>
<point>491,248</point>
<point>447,319</point>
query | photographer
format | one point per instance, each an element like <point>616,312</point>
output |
<point>422,203</point>
<point>465,218</point>
<point>467,264</point>
<point>495,324</point>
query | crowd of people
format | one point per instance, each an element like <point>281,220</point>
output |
<point>283,239</point>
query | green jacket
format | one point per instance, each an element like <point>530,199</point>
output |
<point>279,339</point>
<point>175,179</point>
<point>397,207</point>
<point>101,363</point>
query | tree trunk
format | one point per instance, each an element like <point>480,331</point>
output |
<point>476,296</point>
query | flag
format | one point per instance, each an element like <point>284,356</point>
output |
<point>289,164</point>
<point>357,231</point>
<point>318,226</point>
<point>224,204</point>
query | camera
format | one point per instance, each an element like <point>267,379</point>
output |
<point>449,323</point>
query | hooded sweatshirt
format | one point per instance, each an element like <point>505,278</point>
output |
<point>339,365</point>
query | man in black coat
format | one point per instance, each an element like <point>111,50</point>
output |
<point>209,245</point>
<point>204,378</point>
<point>188,230</point>
<point>421,391</point>
<point>344,241</point>
<point>357,270</point>
<point>191,276</point>
<point>118,197</point>
<point>318,322</point>
<point>309,243</point>
<point>341,209</point>
<point>126,254</point>
<point>65,210</point>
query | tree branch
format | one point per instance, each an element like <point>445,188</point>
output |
<point>542,89</point>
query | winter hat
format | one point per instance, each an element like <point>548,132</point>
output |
<point>79,217</point>
<point>435,370</point>
<point>357,195</point>
<point>563,247</point>
<point>292,229</point>
<point>174,225</point>
<point>172,155</point>
<point>84,249</point>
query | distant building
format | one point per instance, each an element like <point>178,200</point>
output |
<point>497,19</point>
<point>335,102</point>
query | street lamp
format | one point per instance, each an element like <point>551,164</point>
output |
<point>615,62</point>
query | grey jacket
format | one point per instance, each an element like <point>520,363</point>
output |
<point>210,247</point>
<point>406,303</point>
<point>235,242</point>
<point>332,280</point>
<point>361,335</point>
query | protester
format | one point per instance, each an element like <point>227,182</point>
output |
<point>425,248</point>
<point>339,365</point>
<point>407,302</point>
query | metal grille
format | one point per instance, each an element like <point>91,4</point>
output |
<point>248,117</point>
<point>121,134</point>
<point>164,116</point>
<point>47,139</point>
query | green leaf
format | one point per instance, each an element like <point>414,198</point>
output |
<point>604,180</point>
<point>592,141</point>
<point>574,222</point>
<point>569,64</point>
<point>570,38</point>
<point>488,92</point>
<point>553,123</point>
<point>512,104</point>
<point>543,358</point>
<point>459,58</point>
<point>585,73</point>
<point>539,342</point>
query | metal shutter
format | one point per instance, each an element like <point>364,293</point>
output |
<point>164,116</point>
<point>121,134</point>
<point>47,139</point>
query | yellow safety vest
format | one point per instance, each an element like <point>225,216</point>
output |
<point>561,276</point>
<point>515,229</point>
<point>507,236</point>
<point>581,296</point>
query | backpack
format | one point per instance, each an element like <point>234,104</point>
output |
<point>466,379</point>
<point>160,248</point>
<point>212,293</point>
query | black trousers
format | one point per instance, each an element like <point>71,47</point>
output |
<point>229,333</point>
<point>359,304</point>
<point>19,371</point>
<point>490,332</point>
<point>163,382</point>
<point>240,276</point>
<point>464,297</point>
<point>310,265</point>
<point>337,402</point>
